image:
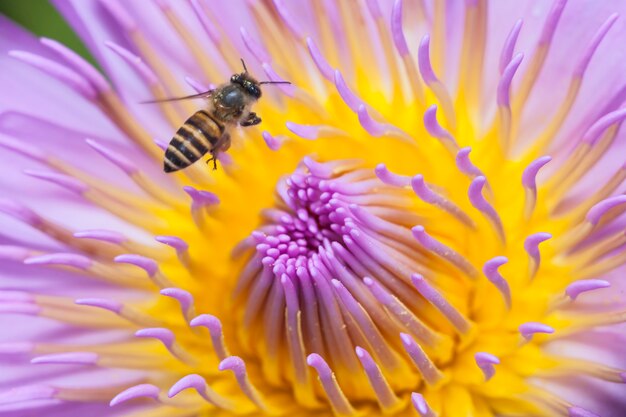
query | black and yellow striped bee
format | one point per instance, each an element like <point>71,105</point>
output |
<point>207,130</point>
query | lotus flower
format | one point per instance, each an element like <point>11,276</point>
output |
<point>428,221</point>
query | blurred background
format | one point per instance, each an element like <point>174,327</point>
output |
<point>41,18</point>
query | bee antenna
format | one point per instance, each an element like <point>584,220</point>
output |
<point>274,82</point>
<point>244,65</point>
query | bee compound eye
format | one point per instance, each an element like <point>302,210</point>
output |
<point>253,90</point>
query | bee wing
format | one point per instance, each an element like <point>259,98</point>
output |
<point>204,94</point>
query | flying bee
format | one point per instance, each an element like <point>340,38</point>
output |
<point>206,130</point>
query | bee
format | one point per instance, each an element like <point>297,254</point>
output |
<point>207,130</point>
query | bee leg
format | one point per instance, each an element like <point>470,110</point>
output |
<point>221,146</point>
<point>214,159</point>
<point>251,120</point>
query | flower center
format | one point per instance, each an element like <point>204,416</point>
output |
<point>313,212</point>
<point>309,294</point>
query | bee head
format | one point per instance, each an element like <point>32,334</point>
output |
<point>249,84</point>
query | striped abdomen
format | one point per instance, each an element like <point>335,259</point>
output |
<point>197,136</point>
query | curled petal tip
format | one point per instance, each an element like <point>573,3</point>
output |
<point>576,288</point>
<point>530,173</point>
<point>495,263</point>
<point>138,391</point>
<point>422,190</point>
<point>360,352</point>
<point>417,277</point>
<point>597,129</point>
<point>595,213</point>
<point>319,364</point>
<point>378,291</point>
<point>304,131</point>
<point>272,142</point>
<point>162,145</point>
<point>531,244</point>
<point>430,119</point>
<point>201,197</point>
<point>464,163</point>
<point>490,269</point>
<point>67,259</point>
<point>418,230</point>
<point>147,264</point>
<point>208,321</point>
<point>194,381</point>
<point>316,168</point>
<point>390,178</point>
<point>312,359</point>
<point>485,362</point>
<point>479,181</point>
<point>164,335</point>
<point>529,329</point>
<point>103,235</point>
<point>173,241</point>
<point>419,403</point>
<point>183,297</point>
<point>407,340</point>
<point>232,363</point>
<point>372,127</point>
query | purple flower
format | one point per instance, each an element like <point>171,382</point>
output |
<point>428,220</point>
